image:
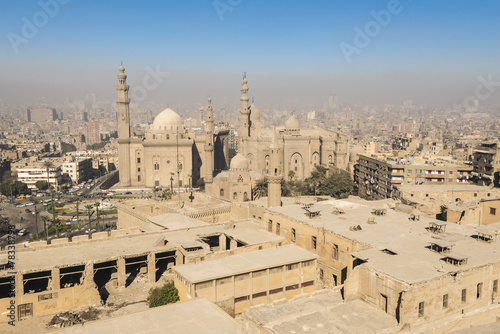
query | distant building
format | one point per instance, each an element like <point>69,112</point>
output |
<point>30,175</point>
<point>376,176</point>
<point>486,163</point>
<point>41,114</point>
<point>78,170</point>
<point>92,133</point>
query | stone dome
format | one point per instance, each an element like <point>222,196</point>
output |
<point>239,162</point>
<point>255,112</point>
<point>167,120</point>
<point>292,124</point>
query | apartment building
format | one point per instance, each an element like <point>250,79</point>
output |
<point>30,175</point>
<point>486,164</point>
<point>376,175</point>
<point>78,170</point>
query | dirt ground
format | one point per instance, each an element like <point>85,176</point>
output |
<point>121,301</point>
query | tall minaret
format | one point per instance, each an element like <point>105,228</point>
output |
<point>209,143</point>
<point>122,104</point>
<point>274,176</point>
<point>244,115</point>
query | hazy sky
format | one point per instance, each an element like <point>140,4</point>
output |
<point>293,51</point>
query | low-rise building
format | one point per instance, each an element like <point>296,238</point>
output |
<point>31,175</point>
<point>249,279</point>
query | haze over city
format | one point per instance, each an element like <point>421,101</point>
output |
<point>428,52</point>
<point>249,167</point>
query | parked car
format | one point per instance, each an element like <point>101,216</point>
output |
<point>20,205</point>
<point>27,211</point>
<point>128,193</point>
<point>22,232</point>
<point>29,203</point>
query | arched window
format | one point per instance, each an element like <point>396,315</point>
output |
<point>235,195</point>
<point>240,178</point>
<point>222,192</point>
<point>245,196</point>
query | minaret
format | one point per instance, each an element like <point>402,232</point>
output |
<point>123,114</point>
<point>274,177</point>
<point>244,115</point>
<point>209,143</point>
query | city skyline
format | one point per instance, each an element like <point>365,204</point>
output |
<point>381,52</point>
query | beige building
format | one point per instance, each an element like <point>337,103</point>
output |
<point>377,175</point>
<point>486,161</point>
<point>31,175</point>
<point>249,279</point>
<point>78,170</point>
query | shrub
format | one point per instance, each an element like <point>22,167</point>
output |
<point>164,295</point>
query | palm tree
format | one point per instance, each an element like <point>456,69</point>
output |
<point>260,188</point>
<point>45,218</point>
<point>77,201</point>
<point>96,204</point>
<point>89,211</point>
<point>35,202</point>
<point>48,165</point>
<point>57,225</point>
<point>52,204</point>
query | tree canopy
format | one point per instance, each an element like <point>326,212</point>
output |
<point>18,188</point>
<point>42,185</point>
<point>66,147</point>
<point>164,295</point>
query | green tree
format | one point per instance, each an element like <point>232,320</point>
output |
<point>89,212</point>
<point>42,185</point>
<point>58,225</point>
<point>97,146</point>
<point>201,183</point>
<point>66,147</point>
<point>338,185</point>
<point>96,205</point>
<point>48,166</point>
<point>260,188</point>
<point>291,174</point>
<point>45,218</point>
<point>35,203</point>
<point>78,201</point>
<point>164,295</point>
<point>4,224</point>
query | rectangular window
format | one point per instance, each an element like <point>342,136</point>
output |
<point>293,235</point>
<point>445,301</point>
<point>335,252</point>
<point>270,226</point>
<point>139,178</point>
<point>321,274</point>
<point>138,169</point>
<point>495,286</point>
<point>479,290</point>
<point>493,211</point>
<point>313,242</point>
<point>277,228</point>
<point>464,295</point>
<point>421,309</point>
<point>138,160</point>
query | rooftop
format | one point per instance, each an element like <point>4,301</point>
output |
<point>189,317</point>
<point>244,263</point>
<point>321,312</point>
<point>408,239</point>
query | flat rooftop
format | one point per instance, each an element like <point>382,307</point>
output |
<point>243,263</point>
<point>321,312</point>
<point>100,250</point>
<point>407,239</point>
<point>189,317</point>
<point>445,188</point>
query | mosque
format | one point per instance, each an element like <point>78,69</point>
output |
<point>169,155</point>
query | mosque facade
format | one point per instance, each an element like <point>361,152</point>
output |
<point>169,155</point>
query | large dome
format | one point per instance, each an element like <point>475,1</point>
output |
<point>292,123</point>
<point>239,162</point>
<point>167,120</point>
